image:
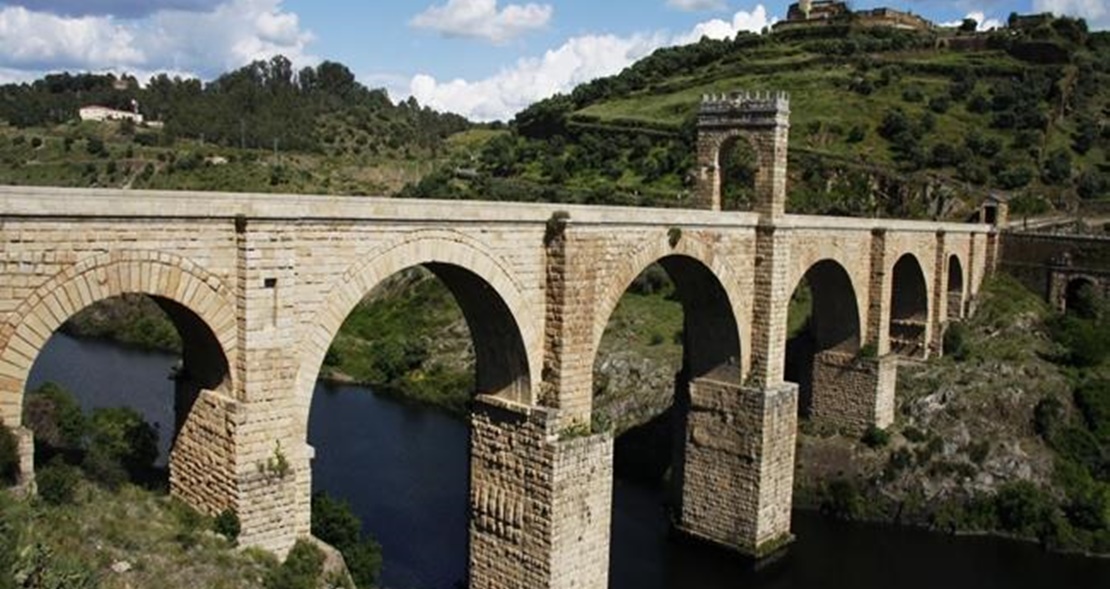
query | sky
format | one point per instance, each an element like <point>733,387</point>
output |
<point>484,59</point>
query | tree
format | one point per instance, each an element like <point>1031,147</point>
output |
<point>969,25</point>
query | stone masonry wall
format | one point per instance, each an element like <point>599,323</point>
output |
<point>739,464</point>
<point>853,393</point>
<point>540,506</point>
<point>202,461</point>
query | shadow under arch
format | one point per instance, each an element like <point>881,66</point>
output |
<point>1081,298</point>
<point>832,327</point>
<point>909,308</point>
<point>955,288</point>
<point>491,301</point>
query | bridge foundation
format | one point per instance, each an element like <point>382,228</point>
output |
<point>540,502</point>
<point>738,466</point>
<point>852,392</point>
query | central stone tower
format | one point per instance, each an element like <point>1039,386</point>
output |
<point>761,118</point>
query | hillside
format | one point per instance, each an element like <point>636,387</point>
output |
<point>261,128</point>
<point>882,121</point>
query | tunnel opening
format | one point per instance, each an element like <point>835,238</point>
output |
<point>674,324</point>
<point>823,330</point>
<point>955,288</point>
<point>909,309</point>
<point>114,385</point>
<point>388,417</point>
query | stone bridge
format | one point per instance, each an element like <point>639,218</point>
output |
<point>258,286</point>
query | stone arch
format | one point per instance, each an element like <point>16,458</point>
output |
<point>498,314</point>
<point>199,303</point>
<point>955,288</point>
<point>763,119</point>
<point>709,293</point>
<point>909,308</point>
<point>832,336</point>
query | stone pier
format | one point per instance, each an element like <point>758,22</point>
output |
<point>851,392</point>
<point>738,470</point>
<point>540,501</point>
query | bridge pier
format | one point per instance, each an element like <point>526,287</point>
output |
<point>853,392</point>
<point>738,466</point>
<point>540,501</point>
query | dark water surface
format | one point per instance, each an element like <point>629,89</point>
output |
<point>404,471</point>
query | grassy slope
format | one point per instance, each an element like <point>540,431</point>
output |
<point>166,544</point>
<point>39,156</point>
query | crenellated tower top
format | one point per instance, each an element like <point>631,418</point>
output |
<point>744,109</point>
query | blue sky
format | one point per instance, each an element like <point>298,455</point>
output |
<point>485,59</point>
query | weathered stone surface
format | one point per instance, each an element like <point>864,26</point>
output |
<point>738,467</point>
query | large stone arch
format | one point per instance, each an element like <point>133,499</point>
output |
<point>690,260</point>
<point>909,327</point>
<point>480,281</point>
<point>174,282</point>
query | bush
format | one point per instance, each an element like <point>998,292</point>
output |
<point>301,569</point>
<point>335,523</point>
<point>57,483</point>
<point>875,437</point>
<point>841,499</point>
<point>227,525</point>
<point>55,417</point>
<point>121,436</point>
<point>9,456</point>
<point>1022,508</point>
<point>955,342</point>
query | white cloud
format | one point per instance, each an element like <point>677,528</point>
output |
<point>1096,12</point>
<point>984,23</point>
<point>579,60</point>
<point>481,19</point>
<point>201,43</point>
<point>753,22</point>
<point>695,5</point>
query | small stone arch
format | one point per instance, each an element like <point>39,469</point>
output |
<point>493,302</point>
<point>955,288</point>
<point>199,303</point>
<point>909,308</point>
<point>763,119</point>
<point>708,290</point>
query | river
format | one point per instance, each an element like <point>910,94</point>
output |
<point>404,471</point>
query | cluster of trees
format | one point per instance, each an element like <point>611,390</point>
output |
<point>261,105</point>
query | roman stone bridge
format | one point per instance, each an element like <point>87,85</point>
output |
<point>258,286</point>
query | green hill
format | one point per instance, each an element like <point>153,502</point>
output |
<point>883,121</point>
<point>260,128</point>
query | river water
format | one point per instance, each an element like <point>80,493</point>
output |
<point>404,471</point>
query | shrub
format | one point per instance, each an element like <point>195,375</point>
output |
<point>1022,508</point>
<point>1093,401</point>
<point>876,437</point>
<point>9,456</point>
<point>841,499</point>
<point>335,523</point>
<point>121,436</point>
<point>57,483</point>
<point>301,569</point>
<point>56,418</point>
<point>227,525</point>
<point>1047,416</point>
<point>955,342</point>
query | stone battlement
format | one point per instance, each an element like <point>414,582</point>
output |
<point>769,101</point>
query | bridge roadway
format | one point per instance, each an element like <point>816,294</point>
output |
<point>258,286</point>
